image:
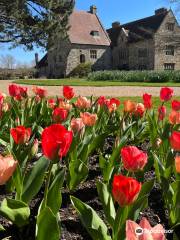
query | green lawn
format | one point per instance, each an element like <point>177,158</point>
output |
<point>85,82</point>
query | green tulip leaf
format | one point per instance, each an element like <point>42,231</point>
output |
<point>16,211</point>
<point>47,225</point>
<point>92,222</point>
<point>107,202</point>
<point>34,179</point>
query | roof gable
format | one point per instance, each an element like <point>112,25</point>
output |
<point>140,29</point>
<point>82,24</point>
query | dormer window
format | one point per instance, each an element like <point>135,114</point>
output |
<point>95,33</point>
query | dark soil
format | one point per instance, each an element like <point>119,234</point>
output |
<point>72,228</point>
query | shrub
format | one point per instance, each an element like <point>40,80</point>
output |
<point>21,73</point>
<point>135,76</point>
<point>82,70</point>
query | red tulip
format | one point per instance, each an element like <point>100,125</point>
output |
<point>166,94</point>
<point>14,90</point>
<point>88,118</point>
<point>133,158</point>
<point>68,92</point>
<point>56,141</point>
<point>112,104</point>
<point>175,105</point>
<point>162,112</point>
<point>7,168</point>
<point>175,140</point>
<point>140,109</point>
<point>77,125</point>
<point>40,92</point>
<point>147,99</point>
<point>125,190</point>
<point>51,103</point>
<point>23,91</point>
<point>59,115</point>
<point>21,134</point>
<point>101,100</point>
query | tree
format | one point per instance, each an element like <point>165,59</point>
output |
<point>8,61</point>
<point>34,22</point>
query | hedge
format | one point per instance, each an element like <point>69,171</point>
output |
<point>135,76</point>
<point>8,74</point>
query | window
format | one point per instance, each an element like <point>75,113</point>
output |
<point>169,66</point>
<point>169,50</point>
<point>95,33</point>
<point>93,54</point>
<point>142,67</point>
<point>170,26</point>
<point>82,58</point>
<point>142,52</point>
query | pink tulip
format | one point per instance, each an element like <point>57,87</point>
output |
<point>77,125</point>
<point>7,168</point>
<point>147,232</point>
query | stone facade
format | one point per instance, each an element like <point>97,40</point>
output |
<point>165,38</point>
<point>160,50</point>
<point>66,56</point>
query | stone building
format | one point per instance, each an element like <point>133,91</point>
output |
<point>151,43</point>
<point>87,41</point>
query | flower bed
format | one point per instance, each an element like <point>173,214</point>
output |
<point>78,168</point>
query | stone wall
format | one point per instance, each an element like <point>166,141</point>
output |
<point>138,62</point>
<point>64,57</point>
<point>165,37</point>
<point>130,58</point>
<point>57,59</point>
<point>102,62</point>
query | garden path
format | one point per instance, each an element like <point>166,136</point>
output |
<point>117,91</point>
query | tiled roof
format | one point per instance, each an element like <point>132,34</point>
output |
<point>138,30</point>
<point>82,24</point>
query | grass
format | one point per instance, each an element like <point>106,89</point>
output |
<point>85,82</point>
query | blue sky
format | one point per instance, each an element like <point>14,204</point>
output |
<point>108,11</point>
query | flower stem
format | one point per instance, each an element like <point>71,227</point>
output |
<point>47,183</point>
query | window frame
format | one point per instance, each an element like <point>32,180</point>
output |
<point>93,54</point>
<point>169,50</point>
<point>169,66</point>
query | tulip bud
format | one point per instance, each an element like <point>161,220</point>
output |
<point>34,149</point>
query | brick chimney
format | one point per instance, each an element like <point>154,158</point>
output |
<point>160,11</point>
<point>116,24</point>
<point>93,9</point>
<point>36,59</point>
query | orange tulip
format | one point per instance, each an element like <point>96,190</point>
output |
<point>82,103</point>
<point>140,109</point>
<point>88,118</point>
<point>7,168</point>
<point>129,106</point>
<point>177,164</point>
<point>174,117</point>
